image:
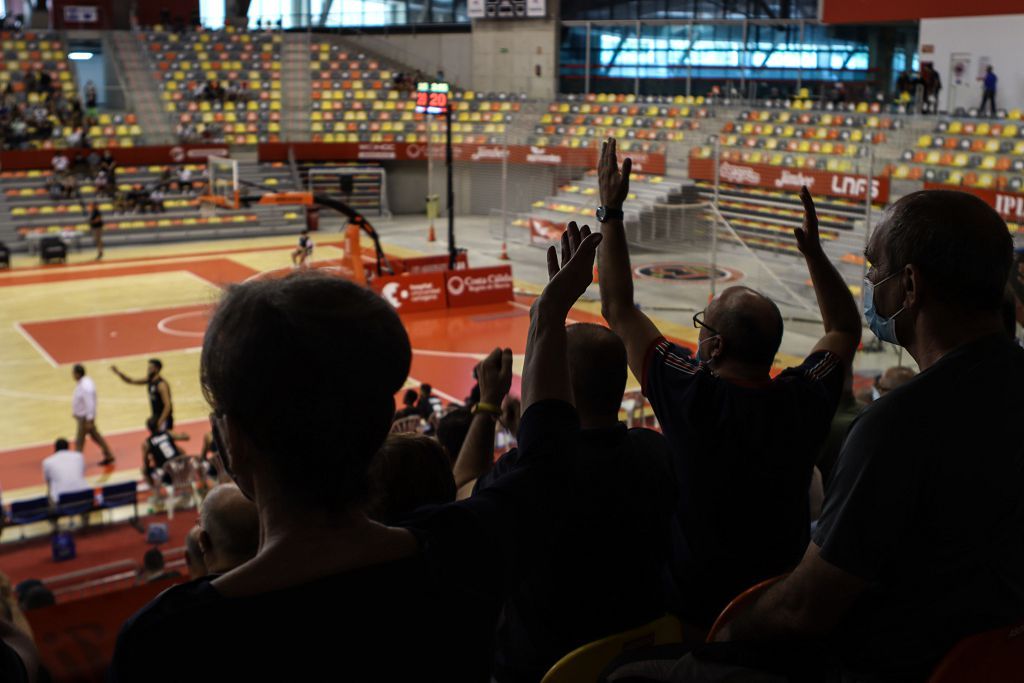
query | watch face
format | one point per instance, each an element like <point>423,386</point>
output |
<point>601,213</point>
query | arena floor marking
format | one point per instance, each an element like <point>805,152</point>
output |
<point>218,271</point>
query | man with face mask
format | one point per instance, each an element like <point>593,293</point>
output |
<point>744,444</point>
<point>159,393</point>
<point>919,544</point>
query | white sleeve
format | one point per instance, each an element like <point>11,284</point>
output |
<point>90,404</point>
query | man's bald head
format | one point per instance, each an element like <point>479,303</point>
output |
<point>750,325</point>
<point>194,554</point>
<point>893,378</point>
<point>230,528</point>
<point>597,369</point>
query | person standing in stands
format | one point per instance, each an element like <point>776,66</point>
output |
<point>96,228</point>
<point>162,410</point>
<point>83,409</point>
<point>64,471</point>
<point>603,572</point>
<point>919,544</point>
<point>744,444</point>
<point>988,92</point>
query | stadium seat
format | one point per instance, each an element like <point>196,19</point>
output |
<point>586,663</point>
<point>739,602</point>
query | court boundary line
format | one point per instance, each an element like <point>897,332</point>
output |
<point>36,345</point>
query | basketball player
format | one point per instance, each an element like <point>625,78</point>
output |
<point>159,447</point>
<point>159,393</point>
<point>304,251</point>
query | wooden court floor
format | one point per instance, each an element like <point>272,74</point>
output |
<point>152,301</point>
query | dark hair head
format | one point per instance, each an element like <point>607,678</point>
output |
<point>60,444</point>
<point>78,370</point>
<point>750,324</point>
<point>597,369</point>
<point>37,597</point>
<point>426,389</point>
<point>153,560</point>
<point>958,242</point>
<point>151,425</point>
<point>409,398</point>
<point>317,431</point>
<point>157,363</point>
<point>409,471</point>
<point>452,429</point>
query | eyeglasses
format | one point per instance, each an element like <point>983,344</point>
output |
<point>698,322</point>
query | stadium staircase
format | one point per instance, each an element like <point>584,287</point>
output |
<point>296,87</point>
<point>142,95</point>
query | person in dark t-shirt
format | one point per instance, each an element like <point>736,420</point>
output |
<point>157,448</point>
<point>919,543</point>
<point>159,392</point>
<point>744,444</point>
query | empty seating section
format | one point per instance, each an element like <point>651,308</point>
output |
<point>582,122</point>
<point>247,64</point>
<point>355,99</point>
<point>980,154</point>
<point>27,55</point>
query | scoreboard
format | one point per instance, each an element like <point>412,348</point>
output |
<point>432,98</point>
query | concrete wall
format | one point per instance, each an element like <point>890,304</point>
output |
<point>507,55</point>
<point>429,52</point>
<point>997,38</point>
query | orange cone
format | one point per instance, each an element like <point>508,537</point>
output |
<point>431,237</point>
<point>504,252</point>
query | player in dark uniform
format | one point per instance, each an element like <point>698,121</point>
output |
<point>159,393</point>
<point>159,447</point>
<point>304,250</point>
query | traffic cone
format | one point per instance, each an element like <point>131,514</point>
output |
<point>504,252</point>
<point>431,237</point>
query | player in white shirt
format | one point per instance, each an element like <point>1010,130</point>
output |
<point>64,471</point>
<point>83,408</point>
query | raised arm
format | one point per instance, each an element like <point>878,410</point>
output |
<point>838,308</point>
<point>616,276</point>
<point>546,370</point>
<point>476,457</point>
<point>126,378</point>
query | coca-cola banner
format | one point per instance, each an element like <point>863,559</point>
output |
<point>823,183</point>
<point>1009,205</point>
<point>582,157</point>
<point>478,286</point>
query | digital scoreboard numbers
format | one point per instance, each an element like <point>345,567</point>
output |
<point>432,98</point>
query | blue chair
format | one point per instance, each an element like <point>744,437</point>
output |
<point>119,495</point>
<point>74,503</point>
<point>28,511</point>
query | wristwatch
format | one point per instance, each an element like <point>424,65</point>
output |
<point>604,214</point>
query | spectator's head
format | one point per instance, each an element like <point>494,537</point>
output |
<point>409,471</point>
<point>988,69</point>
<point>154,367</point>
<point>36,597</point>
<point>597,369</point>
<point>153,563</point>
<point>194,554</point>
<point>893,378</point>
<point>452,429</point>
<point>229,529</point>
<point>78,371</point>
<point>940,261</point>
<point>307,442</point>
<point>409,398</point>
<point>426,390</point>
<point>743,329</point>
<point>60,444</point>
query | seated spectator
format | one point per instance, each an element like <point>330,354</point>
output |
<point>60,163</point>
<point>228,530</point>
<point>64,471</point>
<point>301,453</point>
<point>408,472</point>
<point>409,403</point>
<point>919,544</point>
<point>603,571</point>
<point>153,568</point>
<point>425,404</point>
<point>451,432</point>
<point>185,180</point>
<point>892,378</point>
<point>744,443</point>
<point>156,199</point>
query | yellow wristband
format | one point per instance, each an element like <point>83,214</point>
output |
<point>488,408</point>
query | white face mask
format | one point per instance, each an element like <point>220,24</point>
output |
<point>705,360</point>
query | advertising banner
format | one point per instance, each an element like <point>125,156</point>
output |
<point>479,286</point>
<point>844,185</point>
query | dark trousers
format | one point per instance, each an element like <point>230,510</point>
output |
<point>990,97</point>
